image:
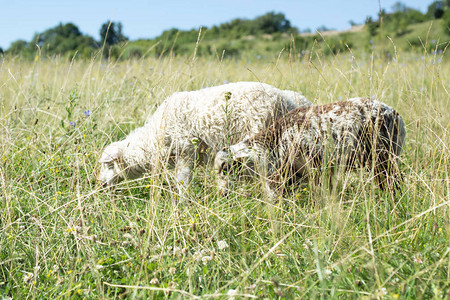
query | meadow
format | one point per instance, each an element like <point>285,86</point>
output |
<point>64,236</point>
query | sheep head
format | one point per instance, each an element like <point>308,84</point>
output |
<point>112,165</point>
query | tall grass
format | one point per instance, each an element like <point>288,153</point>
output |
<point>64,236</point>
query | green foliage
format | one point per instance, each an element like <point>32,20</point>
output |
<point>446,22</point>
<point>372,26</point>
<point>436,10</point>
<point>64,39</point>
<point>111,33</point>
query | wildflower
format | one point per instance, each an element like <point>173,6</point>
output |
<point>307,244</point>
<point>327,272</point>
<point>68,272</point>
<point>172,270</point>
<point>73,124</point>
<point>87,113</point>
<point>177,251</point>
<point>222,245</point>
<point>231,293</point>
<point>205,259</point>
<point>27,278</point>
<point>418,258</point>
<point>197,255</point>
<point>225,81</point>
<point>154,281</point>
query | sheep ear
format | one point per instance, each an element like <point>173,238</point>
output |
<point>112,152</point>
<point>240,150</point>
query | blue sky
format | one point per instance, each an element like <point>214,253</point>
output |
<point>20,19</point>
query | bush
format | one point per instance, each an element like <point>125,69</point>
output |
<point>446,23</point>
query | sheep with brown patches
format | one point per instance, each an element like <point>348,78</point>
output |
<point>194,125</point>
<point>347,135</point>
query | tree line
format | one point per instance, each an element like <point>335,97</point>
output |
<point>68,40</point>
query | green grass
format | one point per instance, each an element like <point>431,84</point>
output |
<point>63,236</point>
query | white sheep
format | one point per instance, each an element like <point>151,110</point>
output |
<point>346,134</point>
<point>195,124</point>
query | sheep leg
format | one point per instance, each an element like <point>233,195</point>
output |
<point>183,169</point>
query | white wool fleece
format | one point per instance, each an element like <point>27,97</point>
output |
<point>196,124</point>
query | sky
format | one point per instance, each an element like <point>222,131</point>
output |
<point>21,19</point>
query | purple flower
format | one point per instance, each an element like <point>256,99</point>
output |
<point>73,124</point>
<point>87,113</point>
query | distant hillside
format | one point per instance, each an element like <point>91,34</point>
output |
<point>267,36</point>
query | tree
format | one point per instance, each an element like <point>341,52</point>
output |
<point>272,22</point>
<point>18,47</point>
<point>111,33</point>
<point>399,7</point>
<point>446,21</point>
<point>372,26</point>
<point>435,10</point>
<point>64,39</point>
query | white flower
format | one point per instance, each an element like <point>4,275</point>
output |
<point>172,270</point>
<point>418,258</point>
<point>28,277</point>
<point>307,244</point>
<point>205,259</point>
<point>327,272</point>
<point>231,293</point>
<point>176,250</point>
<point>197,255</point>
<point>154,281</point>
<point>222,245</point>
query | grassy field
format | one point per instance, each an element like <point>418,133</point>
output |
<point>63,236</point>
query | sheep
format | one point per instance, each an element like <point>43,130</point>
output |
<point>348,134</point>
<point>190,126</point>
